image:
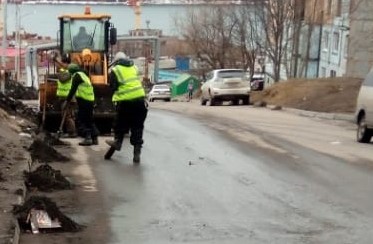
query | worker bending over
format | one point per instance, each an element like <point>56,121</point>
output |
<point>129,97</point>
<point>83,90</point>
<point>63,87</point>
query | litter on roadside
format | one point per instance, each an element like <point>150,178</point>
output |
<point>39,219</point>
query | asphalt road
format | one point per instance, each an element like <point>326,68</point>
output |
<point>226,174</point>
<point>215,180</point>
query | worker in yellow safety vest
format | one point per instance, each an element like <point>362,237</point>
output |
<point>63,88</point>
<point>129,97</point>
<point>82,89</point>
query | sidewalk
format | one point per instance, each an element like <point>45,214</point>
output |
<point>14,161</point>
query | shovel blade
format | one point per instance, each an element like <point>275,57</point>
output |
<point>109,153</point>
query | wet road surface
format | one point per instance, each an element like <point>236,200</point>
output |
<point>199,185</point>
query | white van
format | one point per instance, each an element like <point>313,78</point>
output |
<point>364,110</point>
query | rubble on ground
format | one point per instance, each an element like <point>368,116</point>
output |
<point>43,203</point>
<point>330,95</point>
<point>260,104</point>
<point>18,91</point>
<point>15,107</point>
<point>44,153</point>
<point>53,140</point>
<point>45,178</point>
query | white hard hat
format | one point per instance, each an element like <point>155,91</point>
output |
<point>119,55</point>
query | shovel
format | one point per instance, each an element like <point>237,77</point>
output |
<point>60,129</point>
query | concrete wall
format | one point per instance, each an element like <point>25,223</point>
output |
<point>360,49</point>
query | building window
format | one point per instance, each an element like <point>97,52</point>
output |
<point>326,39</point>
<point>339,8</point>
<point>333,73</point>
<point>335,41</point>
<point>323,72</point>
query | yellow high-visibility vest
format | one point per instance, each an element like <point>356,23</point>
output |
<point>129,84</point>
<point>85,89</point>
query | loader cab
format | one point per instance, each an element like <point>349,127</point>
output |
<point>85,39</point>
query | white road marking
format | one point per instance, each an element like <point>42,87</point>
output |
<point>335,142</point>
<point>83,170</point>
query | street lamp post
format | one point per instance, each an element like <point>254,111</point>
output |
<point>19,40</point>
<point>17,58</point>
<point>4,45</point>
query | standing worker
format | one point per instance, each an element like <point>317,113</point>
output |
<point>63,87</point>
<point>190,90</point>
<point>83,90</point>
<point>129,97</point>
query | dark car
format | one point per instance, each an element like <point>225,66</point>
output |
<point>257,82</point>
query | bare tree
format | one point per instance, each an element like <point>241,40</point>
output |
<point>209,32</point>
<point>245,38</point>
<point>222,36</point>
<point>275,18</point>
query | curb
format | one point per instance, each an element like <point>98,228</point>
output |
<point>20,200</point>
<point>321,115</point>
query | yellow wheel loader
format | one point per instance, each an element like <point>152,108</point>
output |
<point>85,39</point>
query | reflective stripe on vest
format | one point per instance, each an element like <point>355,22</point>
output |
<point>85,89</point>
<point>129,84</point>
<point>63,88</point>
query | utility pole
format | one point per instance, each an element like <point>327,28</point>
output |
<point>4,46</point>
<point>18,42</point>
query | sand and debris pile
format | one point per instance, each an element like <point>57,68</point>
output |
<point>47,213</point>
<point>52,140</point>
<point>16,107</point>
<point>45,178</point>
<point>42,152</point>
<point>1,177</point>
<point>336,95</point>
<point>18,91</point>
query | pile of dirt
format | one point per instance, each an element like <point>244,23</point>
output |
<point>53,140</point>
<point>18,91</point>
<point>336,95</point>
<point>44,153</point>
<point>45,178</point>
<point>16,107</point>
<point>44,203</point>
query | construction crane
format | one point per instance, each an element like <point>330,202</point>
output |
<point>136,5</point>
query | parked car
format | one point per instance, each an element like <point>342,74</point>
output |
<point>226,85</point>
<point>160,92</point>
<point>364,110</point>
<point>257,82</point>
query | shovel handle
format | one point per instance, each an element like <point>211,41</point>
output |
<point>64,113</point>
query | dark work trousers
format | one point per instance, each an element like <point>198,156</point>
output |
<point>85,118</point>
<point>131,116</point>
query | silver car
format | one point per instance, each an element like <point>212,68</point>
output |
<point>226,85</point>
<point>160,92</point>
<point>364,110</point>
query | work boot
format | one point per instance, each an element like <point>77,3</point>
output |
<point>95,140</point>
<point>136,153</point>
<point>114,143</point>
<point>86,142</point>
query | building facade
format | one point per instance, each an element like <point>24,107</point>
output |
<point>360,48</point>
<point>323,40</point>
<point>334,40</point>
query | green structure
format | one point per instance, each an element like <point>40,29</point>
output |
<point>179,86</point>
